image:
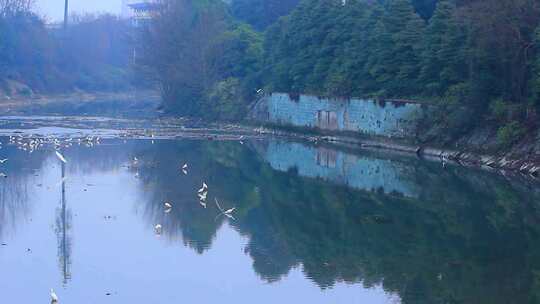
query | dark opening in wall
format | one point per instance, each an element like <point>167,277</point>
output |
<point>294,97</point>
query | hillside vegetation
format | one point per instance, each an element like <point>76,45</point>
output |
<point>93,54</point>
<point>478,60</point>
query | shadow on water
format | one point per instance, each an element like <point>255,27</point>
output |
<point>428,234</point>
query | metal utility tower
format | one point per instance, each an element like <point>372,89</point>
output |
<point>66,8</point>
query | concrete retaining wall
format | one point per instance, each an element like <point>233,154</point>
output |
<point>366,116</point>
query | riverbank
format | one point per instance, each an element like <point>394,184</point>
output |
<point>511,162</point>
<point>396,125</point>
<point>522,158</point>
<point>131,103</point>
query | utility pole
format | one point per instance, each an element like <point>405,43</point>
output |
<point>66,8</point>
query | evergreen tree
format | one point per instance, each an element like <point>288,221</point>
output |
<point>396,56</point>
<point>261,13</point>
<point>444,56</point>
<point>535,73</point>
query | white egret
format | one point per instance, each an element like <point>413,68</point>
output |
<point>185,168</point>
<point>54,297</point>
<point>168,207</point>
<point>203,196</point>
<point>3,160</point>
<point>204,188</point>
<point>227,213</point>
<point>61,157</point>
<point>158,229</point>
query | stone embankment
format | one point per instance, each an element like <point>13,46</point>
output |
<point>375,124</point>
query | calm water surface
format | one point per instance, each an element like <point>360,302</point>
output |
<point>311,225</point>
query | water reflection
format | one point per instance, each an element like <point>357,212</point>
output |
<point>423,232</point>
<point>64,221</point>
<point>373,220</point>
<point>16,188</point>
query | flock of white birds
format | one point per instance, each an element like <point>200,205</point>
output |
<point>30,144</point>
<point>202,194</point>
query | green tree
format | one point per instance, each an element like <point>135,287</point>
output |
<point>444,57</point>
<point>535,75</point>
<point>261,13</point>
<point>395,63</point>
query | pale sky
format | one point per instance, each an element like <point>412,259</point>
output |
<point>54,9</point>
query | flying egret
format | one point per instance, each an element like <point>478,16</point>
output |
<point>54,297</point>
<point>204,188</point>
<point>184,169</point>
<point>60,157</point>
<point>168,207</point>
<point>227,213</point>
<point>3,175</point>
<point>3,160</point>
<point>203,196</point>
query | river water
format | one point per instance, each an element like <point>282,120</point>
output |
<point>312,224</point>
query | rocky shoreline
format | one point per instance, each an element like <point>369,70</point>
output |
<point>509,162</point>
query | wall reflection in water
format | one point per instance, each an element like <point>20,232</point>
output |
<point>363,172</point>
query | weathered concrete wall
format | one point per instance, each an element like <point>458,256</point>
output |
<point>362,173</point>
<point>367,116</point>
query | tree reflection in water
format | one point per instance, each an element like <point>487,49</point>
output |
<point>466,237</point>
<point>462,236</point>
<point>16,189</point>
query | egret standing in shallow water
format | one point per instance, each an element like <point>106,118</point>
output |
<point>54,297</point>
<point>60,157</point>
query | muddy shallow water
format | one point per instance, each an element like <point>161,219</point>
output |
<point>312,224</point>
